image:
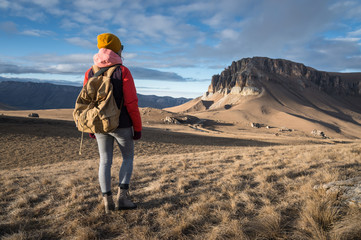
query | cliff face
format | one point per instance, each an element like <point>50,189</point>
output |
<point>247,76</point>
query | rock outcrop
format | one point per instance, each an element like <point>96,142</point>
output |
<point>246,77</point>
<point>350,190</point>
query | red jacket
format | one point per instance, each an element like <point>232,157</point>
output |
<point>130,96</point>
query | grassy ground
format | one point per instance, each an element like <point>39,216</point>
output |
<point>30,142</point>
<point>207,191</point>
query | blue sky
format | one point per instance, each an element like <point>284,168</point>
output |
<point>173,48</point>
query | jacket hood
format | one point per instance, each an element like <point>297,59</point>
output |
<point>106,57</point>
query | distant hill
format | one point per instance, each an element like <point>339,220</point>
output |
<point>31,95</point>
<point>6,107</point>
<point>281,93</point>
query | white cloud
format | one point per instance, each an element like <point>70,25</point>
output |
<point>229,34</point>
<point>129,55</point>
<point>61,59</point>
<point>17,69</point>
<point>25,11</point>
<point>192,8</point>
<point>83,19</point>
<point>329,55</point>
<point>215,21</point>
<point>350,9</point>
<point>224,13</point>
<point>46,3</point>
<point>37,33</point>
<point>157,28</point>
<point>81,42</point>
<point>347,39</point>
<point>151,74</point>
<point>355,33</point>
<point>78,64</point>
<point>4,4</point>
<point>69,24</point>
<point>94,6</point>
<point>90,30</point>
<point>63,68</point>
<point>93,12</point>
<point>269,28</point>
<point>187,34</point>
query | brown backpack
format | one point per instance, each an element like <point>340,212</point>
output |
<point>96,110</point>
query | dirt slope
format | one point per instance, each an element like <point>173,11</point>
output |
<point>278,106</point>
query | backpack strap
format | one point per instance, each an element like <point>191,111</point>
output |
<point>109,74</point>
<point>112,69</point>
<point>99,71</point>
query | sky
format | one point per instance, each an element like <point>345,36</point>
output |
<point>173,48</point>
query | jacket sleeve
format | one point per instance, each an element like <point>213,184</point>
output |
<point>131,99</point>
<point>86,76</point>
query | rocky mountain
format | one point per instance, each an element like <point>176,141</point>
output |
<point>283,94</point>
<point>247,76</point>
<point>30,95</point>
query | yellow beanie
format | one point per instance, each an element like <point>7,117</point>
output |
<point>109,41</point>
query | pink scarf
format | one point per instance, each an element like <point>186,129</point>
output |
<point>106,57</point>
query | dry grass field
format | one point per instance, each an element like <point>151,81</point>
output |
<point>187,186</point>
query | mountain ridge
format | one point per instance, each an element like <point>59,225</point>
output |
<point>282,94</point>
<point>248,72</point>
<point>36,96</point>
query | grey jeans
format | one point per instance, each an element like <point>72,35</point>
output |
<point>124,139</point>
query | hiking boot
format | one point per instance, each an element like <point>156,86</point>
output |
<point>123,201</point>
<point>108,203</point>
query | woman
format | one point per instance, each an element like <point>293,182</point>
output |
<point>130,125</point>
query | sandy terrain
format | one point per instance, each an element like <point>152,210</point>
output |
<point>32,141</point>
<point>281,107</point>
<point>29,141</point>
<point>213,180</point>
